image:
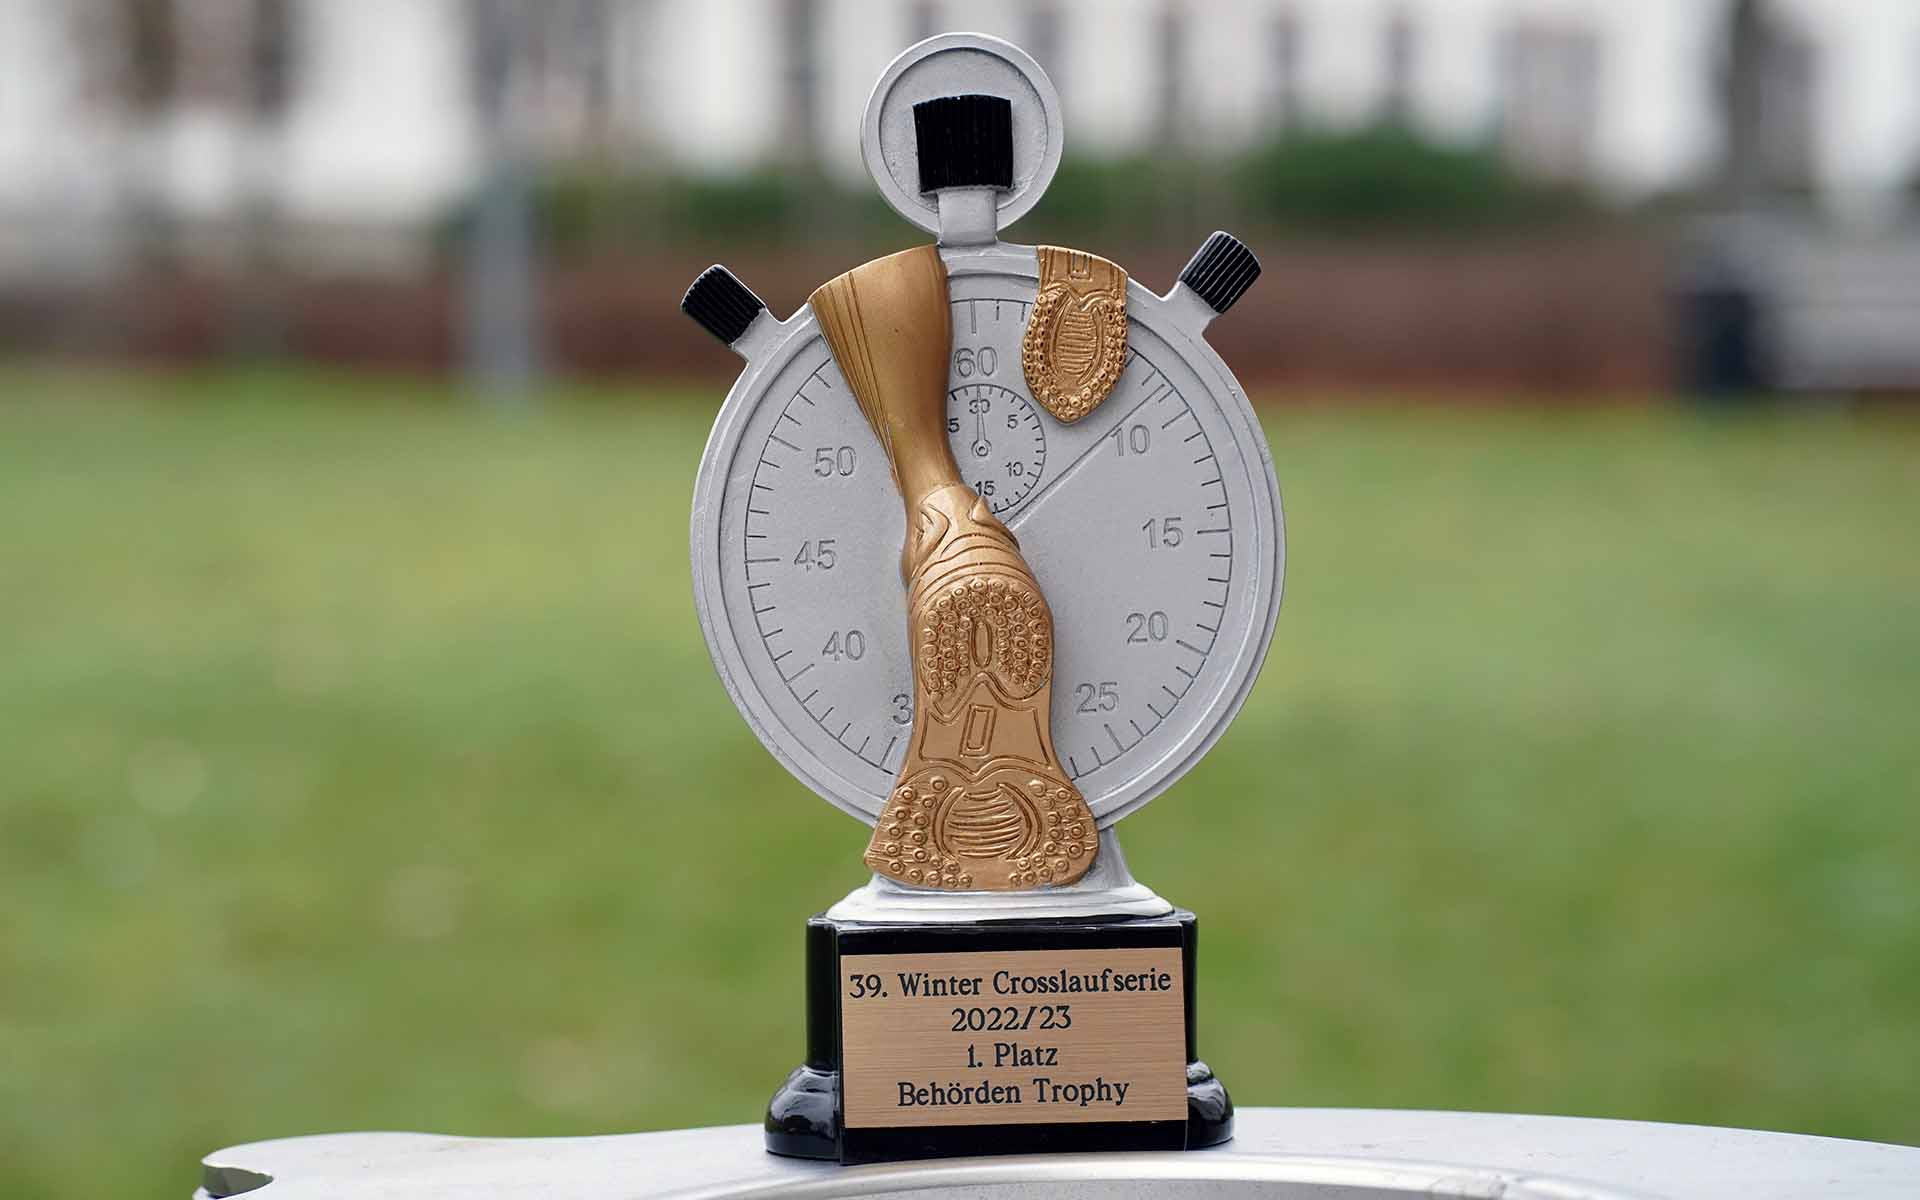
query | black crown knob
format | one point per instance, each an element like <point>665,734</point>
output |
<point>964,141</point>
<point>722,305</point>
<point>1221,271</point>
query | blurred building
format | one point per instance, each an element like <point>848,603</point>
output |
<point>235,155</point>
<point>360,118</point>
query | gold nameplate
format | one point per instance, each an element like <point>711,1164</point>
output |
<point>1013,1037</point>
<point>1076,340</point>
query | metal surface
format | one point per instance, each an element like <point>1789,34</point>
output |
<point>954,64</point>
<point>1076,340</point>
<point>1154,526</point>
<point>1284,1154</point>
<point>980,801</point>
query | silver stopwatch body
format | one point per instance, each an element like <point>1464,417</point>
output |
<point>1153,524</point>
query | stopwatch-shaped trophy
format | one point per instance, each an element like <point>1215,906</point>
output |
<point>987,549</point>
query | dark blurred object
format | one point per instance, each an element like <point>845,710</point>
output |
<point>1769,298</point>
<point>1722,344</point>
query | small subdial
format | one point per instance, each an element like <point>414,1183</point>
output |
<point>999,442</point>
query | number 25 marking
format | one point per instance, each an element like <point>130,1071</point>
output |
<point>1103,697</point>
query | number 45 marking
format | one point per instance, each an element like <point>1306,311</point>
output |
<point>816,554</point>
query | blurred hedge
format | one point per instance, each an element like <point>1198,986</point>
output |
<point>1374,179</point>
<point>1390,176</point>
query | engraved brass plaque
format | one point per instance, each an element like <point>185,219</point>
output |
<point>1013,1037</point>
<point>1076,341</point>
<point>981,801</point>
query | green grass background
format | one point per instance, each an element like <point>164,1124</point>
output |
<point>361,767</point>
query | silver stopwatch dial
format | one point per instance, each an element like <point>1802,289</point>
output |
<point>1153,525</point>
<point>997,437</point>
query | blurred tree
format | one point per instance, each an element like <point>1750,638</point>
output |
<point>152,53</point>
<point>1767,86</point>
<point>268,80</point>
<point>499,335</point>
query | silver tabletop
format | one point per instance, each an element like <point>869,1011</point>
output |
<point>1291,1153</point>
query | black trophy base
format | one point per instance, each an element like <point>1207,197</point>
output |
<point>805,1119</point>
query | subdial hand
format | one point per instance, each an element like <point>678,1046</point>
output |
<point>981,446</point>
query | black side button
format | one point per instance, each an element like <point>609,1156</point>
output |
<point>1222,271</point>
<point>964,141</point>
<point>722,305</point>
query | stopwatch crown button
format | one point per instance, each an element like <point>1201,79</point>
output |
<point>722,305</point>
<point>1221,271</point>
<point>964,141</point>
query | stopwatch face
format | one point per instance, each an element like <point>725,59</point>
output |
<point>996,437</point>
<point>1153,526</point>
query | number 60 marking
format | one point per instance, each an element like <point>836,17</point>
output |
<point>968,362</point>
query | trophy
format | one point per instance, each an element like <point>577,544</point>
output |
<point>987,550</point>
